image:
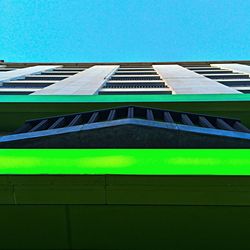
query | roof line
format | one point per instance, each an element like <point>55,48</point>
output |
<point>124,63</point>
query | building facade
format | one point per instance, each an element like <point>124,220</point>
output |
<point>125,155</point>
<point>124,78</point>
<point>153,81</point>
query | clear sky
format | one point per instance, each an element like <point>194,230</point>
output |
<point>124,30</point>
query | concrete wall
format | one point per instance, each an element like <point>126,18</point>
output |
<point>18,73</point>
<point>236,67</point>
<point>184,81</point>
<point>84,83</point>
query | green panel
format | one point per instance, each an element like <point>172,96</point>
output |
<point>178,190</point>
<point>160,227</point>
<point>123,227</point>
<point>128,161</point>
<point>33,227</point>
<point>73,189</point>
<point>126,189</point>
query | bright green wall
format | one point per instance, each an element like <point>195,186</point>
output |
<point>125,161</point>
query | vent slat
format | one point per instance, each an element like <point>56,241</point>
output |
<point>186,120</point>
<point>76,120</point>
<point>23,129</point>
<point>222,124</point>
<point>40,126</point>
<point>150,115</point>
<point>204,122</point>
<point>58,123</point>
<point>131,112</point>
<point>93,117</point>
<point>238,126</point>
<point>168,117</point>
<point>111,115</point>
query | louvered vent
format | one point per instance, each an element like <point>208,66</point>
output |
<point>135,81</point>
<point>238,81</point>
<point>34,82</point>
<point>6,69</point>
<point>188,129</point>
<point>134,112</point>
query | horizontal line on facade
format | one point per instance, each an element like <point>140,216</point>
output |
<point>19,89</point>
<point>135,81</point>
<point>233,80</point>
<point>126,64</point>
<point>134,89</point>
<point>23,81</point>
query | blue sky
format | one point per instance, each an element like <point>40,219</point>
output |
<point>124,30</point>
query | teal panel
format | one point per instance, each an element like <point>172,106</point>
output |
<point>124,98</point>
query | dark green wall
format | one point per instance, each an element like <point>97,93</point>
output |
<point>124,227</point>
<point>124,212</point>
<point>14,110</point>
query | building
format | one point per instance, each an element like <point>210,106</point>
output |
<point>125,155</point>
